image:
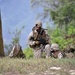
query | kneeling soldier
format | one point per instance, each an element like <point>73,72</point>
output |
<point>39,40</point>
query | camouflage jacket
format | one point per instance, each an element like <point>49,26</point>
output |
<point>44,39</point>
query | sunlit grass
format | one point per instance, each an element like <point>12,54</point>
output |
<point>26,66</point>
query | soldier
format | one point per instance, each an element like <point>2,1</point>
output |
<point>55,51</point>
<point>39,40</point>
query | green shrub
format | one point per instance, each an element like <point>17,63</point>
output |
<point>28,52</point>
<point>58,36</point>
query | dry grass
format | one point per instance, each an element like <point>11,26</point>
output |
<point>16,66</point>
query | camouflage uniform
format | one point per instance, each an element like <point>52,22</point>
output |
<point>56,51</point>
<point>39,48</point>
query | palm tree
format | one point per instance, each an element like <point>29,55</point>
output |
<point>1,39</point>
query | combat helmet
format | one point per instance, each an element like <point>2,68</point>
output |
<point>38,23</point>
<point>55,46</point>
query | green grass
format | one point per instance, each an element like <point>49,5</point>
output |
<point>17,66</point>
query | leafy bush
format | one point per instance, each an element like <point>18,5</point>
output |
<point>58,36</point>
<point>28,52</point>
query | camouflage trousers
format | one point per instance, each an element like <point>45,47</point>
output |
<point>38,51</point>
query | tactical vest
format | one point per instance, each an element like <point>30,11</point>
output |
<point>40,37</point>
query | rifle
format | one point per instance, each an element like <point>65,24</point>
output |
<point>42,31</point>
<point>42,41</point>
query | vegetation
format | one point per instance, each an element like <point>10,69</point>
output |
<point>36,66</point>
<point>28,53</point>
<point>58,36</point>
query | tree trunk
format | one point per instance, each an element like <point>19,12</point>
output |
<point>1,39</point>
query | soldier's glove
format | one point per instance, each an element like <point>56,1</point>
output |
<point>37,42</point>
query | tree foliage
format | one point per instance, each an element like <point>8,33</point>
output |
<point>64,15</point>
<point>60,11</point>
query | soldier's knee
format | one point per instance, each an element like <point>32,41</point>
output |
<point>47,46</point>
